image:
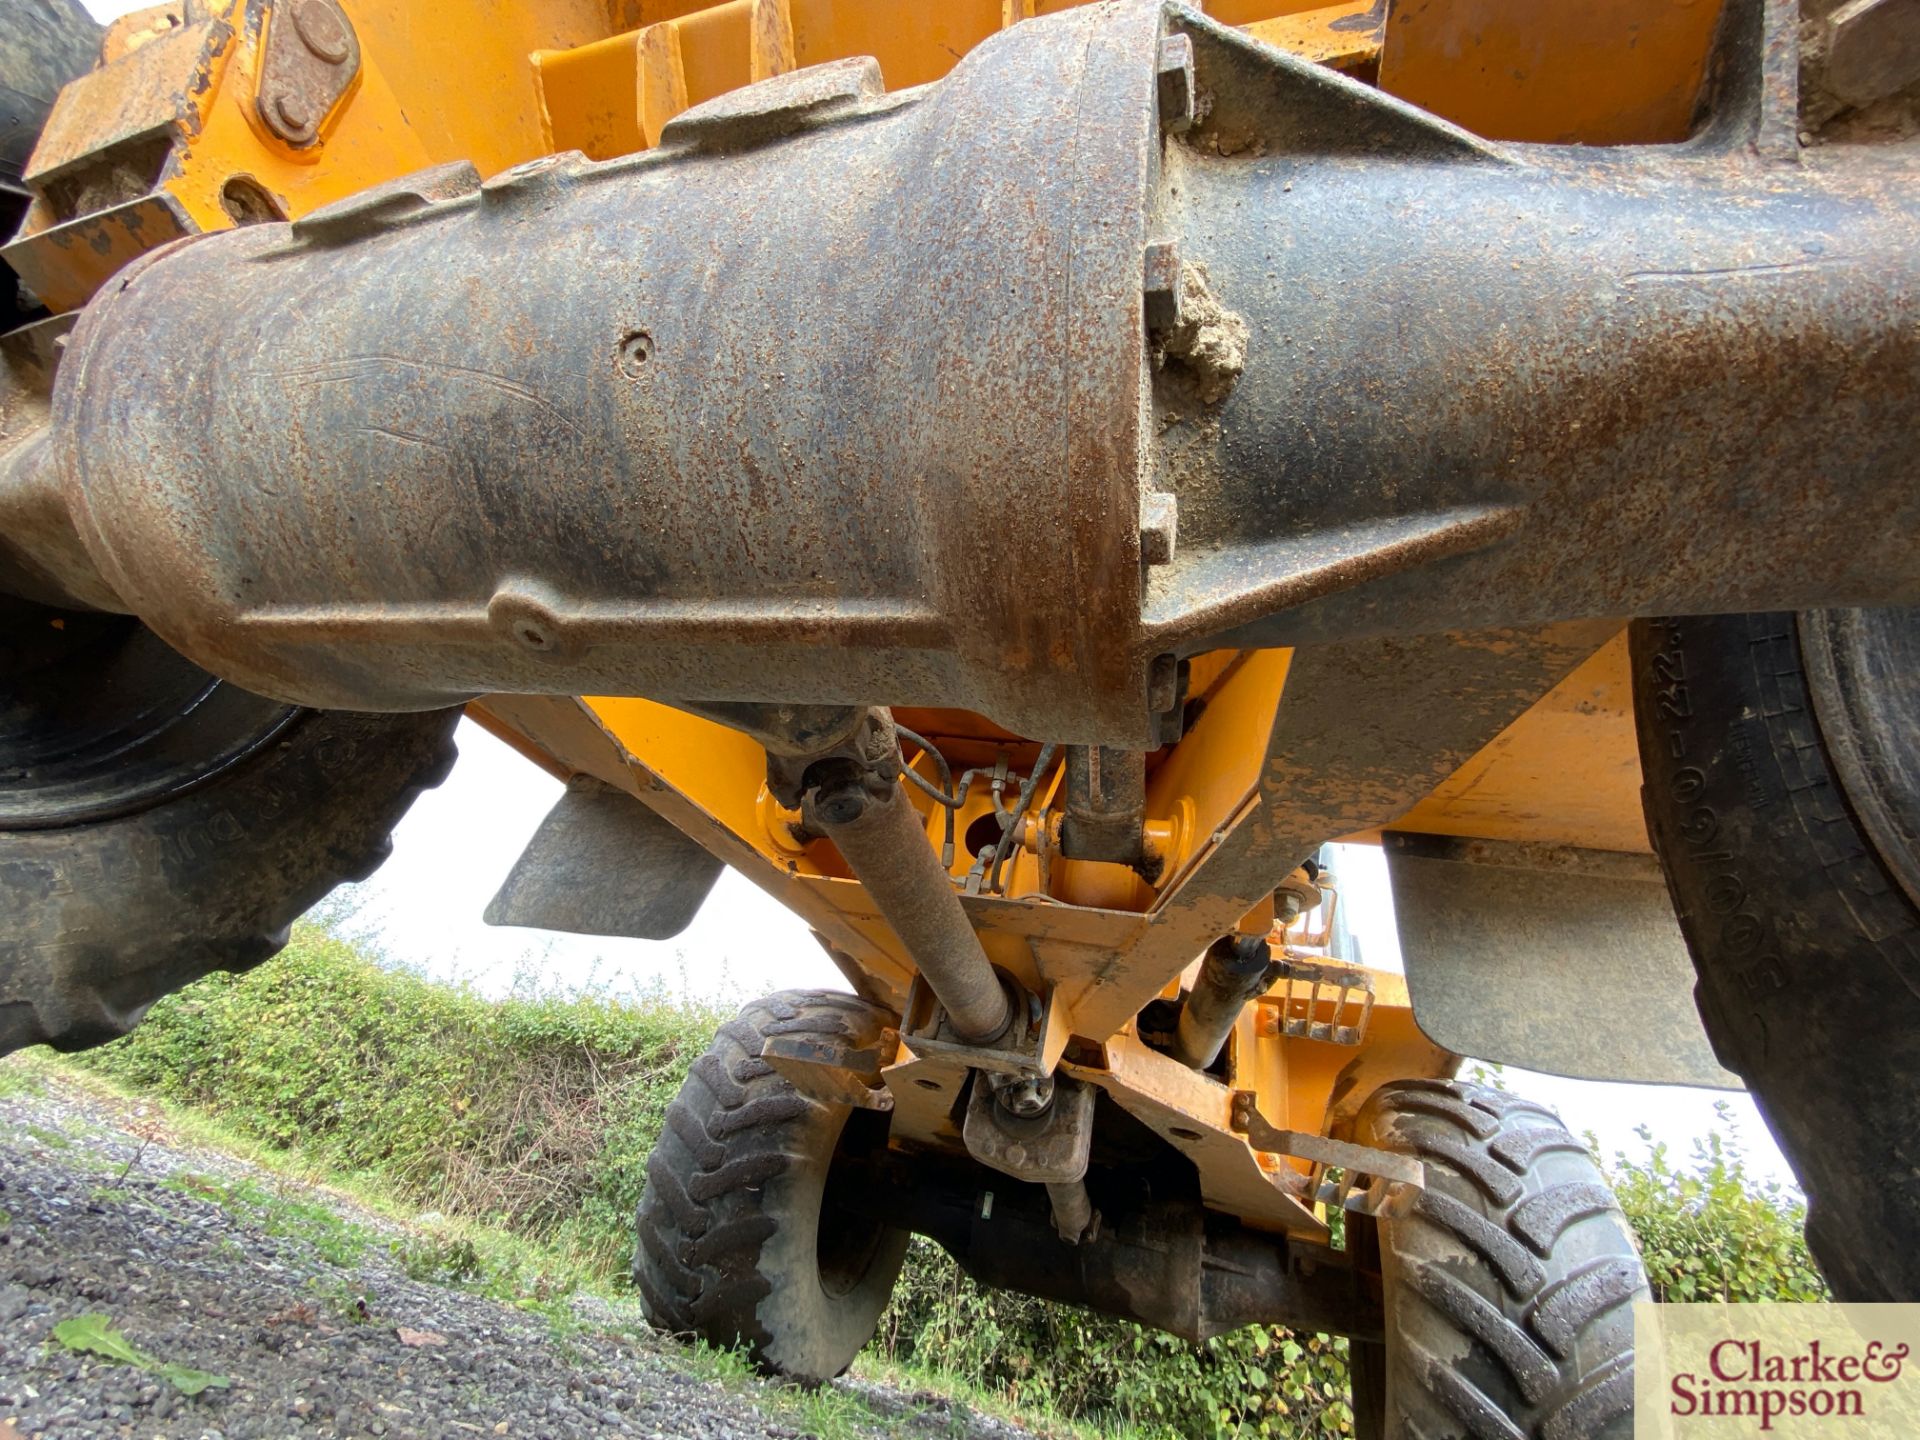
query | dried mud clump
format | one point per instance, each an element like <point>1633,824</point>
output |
<point>1208,342</point>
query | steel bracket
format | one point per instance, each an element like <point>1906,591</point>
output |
<point>1292,1009</point>
<point>309,59</point>
<point>1031,1045</point>
<point>1372,1181</point>
<point>778,106</point>
<point>836,1070</point>
<point>1049,1149</point>
<point>367,212</point>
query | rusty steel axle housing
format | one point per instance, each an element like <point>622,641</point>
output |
<point>1130,338</point>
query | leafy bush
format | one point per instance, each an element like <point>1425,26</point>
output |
<point>1713,1232</point>
<point>537,1115</point>
<point>1258,1381</point>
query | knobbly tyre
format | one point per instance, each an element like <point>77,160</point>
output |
<point>1016,486</point>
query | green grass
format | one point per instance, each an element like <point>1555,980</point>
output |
<point>719,1364</point>
<point>833,1413</point>
<point>534,1116</point>
<point>956,1388</point>
<point>521,1129</point>
<point>338,1241</point>
<point>52,1139</point>
<point>829,1412</point>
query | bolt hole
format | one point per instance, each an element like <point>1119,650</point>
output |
<point>248,202</point>
<point>1180,1132</point>
<point>635,351</point>
<point>983,834</point>
<point>928,1084</point>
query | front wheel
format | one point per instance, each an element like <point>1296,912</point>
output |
<point>740,1241</point>
<point>1508,1284</point>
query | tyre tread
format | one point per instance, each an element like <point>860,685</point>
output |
<point>1541,1328</point>
<point>736,1128</point>
<point>81,989</point>
<point>1806,947</point>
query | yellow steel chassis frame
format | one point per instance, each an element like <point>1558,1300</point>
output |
<point>443,81</point>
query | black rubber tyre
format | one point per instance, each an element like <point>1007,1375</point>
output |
<point>157,825</point>
<point>1806,947</point>
<point>1509,1283</point>
<point>740,1242</point>
<point>44,45</point>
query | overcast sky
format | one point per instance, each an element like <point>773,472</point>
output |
<point>456,846</point>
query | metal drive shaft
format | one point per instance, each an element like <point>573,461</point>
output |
<point>887,850</point>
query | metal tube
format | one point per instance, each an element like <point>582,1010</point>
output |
<point>41,556</point>
<point>885,847</point>
<point>1072,1209</point>
<point>1169,1264</point>
<point>1236,969</point>
<point>1609,346</point>
<point>1106,804</point>
<point>541,413</point>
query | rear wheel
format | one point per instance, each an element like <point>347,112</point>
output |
<point>1782,793</point>
<point>1508,1284</point>
<point>741,1241</point>
<point>157,824</point>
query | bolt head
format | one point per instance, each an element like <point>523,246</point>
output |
<point>1176,93</point>
<point>323,30</point>
<point>293,111</point>
<point>1160,284</point>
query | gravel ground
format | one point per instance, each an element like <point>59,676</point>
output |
<point>103,1212</point>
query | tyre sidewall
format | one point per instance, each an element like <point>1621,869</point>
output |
<point>811,1330</point>
<point>1807,951</point>
<point>104,918</point>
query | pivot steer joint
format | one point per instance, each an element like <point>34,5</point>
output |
<point>1050,1146</point>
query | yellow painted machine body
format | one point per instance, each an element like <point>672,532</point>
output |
<point>179,105</point>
